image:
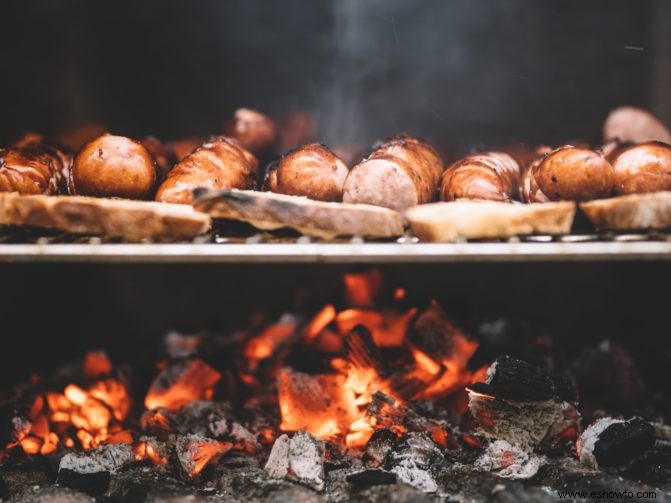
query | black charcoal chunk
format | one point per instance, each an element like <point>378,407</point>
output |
<point>91,471</point>
<point>514,379</point>
<point>612,442</point>
<point>371,477</point>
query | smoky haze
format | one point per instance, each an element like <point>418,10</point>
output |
<point>465,74</point>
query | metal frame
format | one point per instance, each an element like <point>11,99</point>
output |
<point>337,252</point>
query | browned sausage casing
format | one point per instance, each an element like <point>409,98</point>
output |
<point>312,171</point>
<point>219,163</point>
<point>574,174</point>
<point>33,167</point>
<point>402,172</point>
<point>493,176</point>
<point>255,131</point>
<point>114,166</point>
<point>643,168</point>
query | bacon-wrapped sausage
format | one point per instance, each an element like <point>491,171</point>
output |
<point>572,174</point>
<point>34,167</point>
<point>114,166</point>
<point>255,131</point>
<point>312,171</point>
<point>402,172</point>
<point>643,168</point>
<point>219,163</point>
<point>493,176</point>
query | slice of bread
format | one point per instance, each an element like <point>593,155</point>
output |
<point>630,212</point>
<point>454,221</point>
<point>269,211</point>
<point>122,218</point>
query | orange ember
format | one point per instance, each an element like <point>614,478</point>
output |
<point>91,414</point>
<point>182,383</point>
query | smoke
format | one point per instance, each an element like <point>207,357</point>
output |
<point>421,67</point>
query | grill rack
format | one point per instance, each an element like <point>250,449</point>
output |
<point>247,245</point>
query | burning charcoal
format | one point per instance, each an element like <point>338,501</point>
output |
<point>213,420</point>
<point>91,470</point>
<point>412,460</point>
<point>180,383</point>
<point>434,333</point>
<point>300,458</point>
<point>612,442</point>
<point>157,423</point>
<point>317,404</point>
<point>525,406</point>
<point>195,452</point>
<point>153,449</point>
<point>509,461</point>
<point>371,477</point>
<point>378,447</point>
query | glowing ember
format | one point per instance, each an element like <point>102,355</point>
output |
<point>92,414</point>
<point>181,383</point>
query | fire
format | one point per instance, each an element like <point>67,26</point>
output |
<point>333,406</point>
<point>181,383</point>
<point>364,366</point>
<point>91,414</point>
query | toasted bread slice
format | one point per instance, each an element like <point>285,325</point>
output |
<point>126,219</point>
<point>634,211</point>
<point>269,211</point>
<point>453,221</point>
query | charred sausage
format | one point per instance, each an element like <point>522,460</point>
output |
<point>312,171</point>
<point>574,174</point>
<point>643,168</point>
<point>255,131</point>
<point>219,163</point>
<point>34,167</point>
<point>493,176</point>
<point>114,166</point>
<point>402,172</point>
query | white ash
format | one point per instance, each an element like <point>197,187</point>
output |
<point>413,461</point>
<point>277,465</point>
<point>107,458</point>
<point>491,372</point>
<point>509,461</point>
<point>588,438</point>
<point>300,458</point>
<point>527,424</point>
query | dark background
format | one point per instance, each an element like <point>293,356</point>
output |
<point>465,73</point>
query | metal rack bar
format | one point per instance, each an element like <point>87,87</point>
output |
<point>338,252</point>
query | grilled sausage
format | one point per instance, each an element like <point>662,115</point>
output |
<point>643,168</point>
<point>185,146</point>
<point>402,172</point>
<point>574,174</point>
<point>114,166</point>
<point>312,171</point>
<point>34,167</point>
<point>494,176</point>
<point>634,125</point>
<point>219,163</point>
<point>255,131</point>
